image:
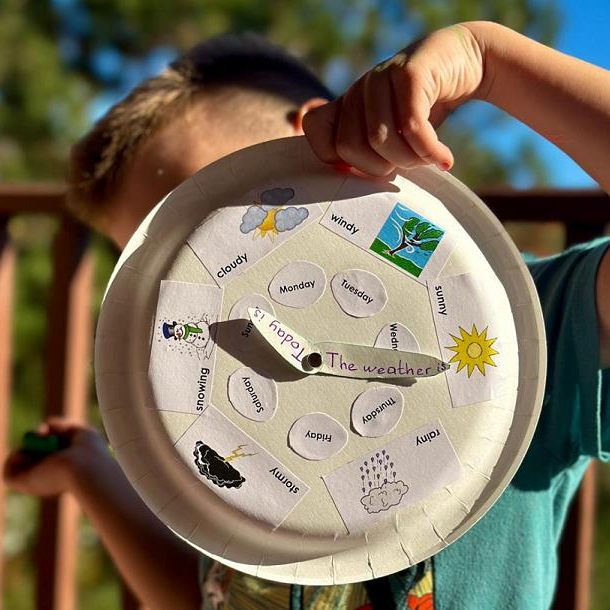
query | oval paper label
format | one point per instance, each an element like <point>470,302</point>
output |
<point>243,333</point>
<point>298,285</point>
<point>397,337</point>
<point>253,395</point>
<point>377,411</point>
<point>359,293</point>
<point>317,436</point>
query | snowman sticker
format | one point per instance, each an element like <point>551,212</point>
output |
<point>187,337</point>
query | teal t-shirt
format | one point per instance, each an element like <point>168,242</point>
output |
<point>508,560</point>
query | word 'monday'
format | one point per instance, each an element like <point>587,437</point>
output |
<point>294,287</point>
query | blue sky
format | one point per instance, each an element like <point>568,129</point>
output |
<point>585,33</point>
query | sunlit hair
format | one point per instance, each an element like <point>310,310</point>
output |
<point>99,160</point>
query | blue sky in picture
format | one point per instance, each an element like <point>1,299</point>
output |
<point>583,33</point>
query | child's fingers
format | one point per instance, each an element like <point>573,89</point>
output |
<point>438,114</point>
<point>42,428</point>
<point>413,108</point>
<point>352,144</point>
<point>63,426</point>
<point>15,466</point>
<point>320,128</point>
<point>382,131</point>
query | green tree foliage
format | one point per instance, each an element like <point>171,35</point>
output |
<point>50,52</point>
<point>417,233</point>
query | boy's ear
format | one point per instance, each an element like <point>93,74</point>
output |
<point>297,118</point>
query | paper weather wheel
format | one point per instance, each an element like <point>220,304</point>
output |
<point>293,474</point>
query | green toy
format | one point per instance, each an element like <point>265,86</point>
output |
<point>38,445</point>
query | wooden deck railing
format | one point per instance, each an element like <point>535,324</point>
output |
<point>67,358</point>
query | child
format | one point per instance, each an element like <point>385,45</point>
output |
<point>239,91</point>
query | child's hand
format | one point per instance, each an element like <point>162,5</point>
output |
<point>387,119</point>
<point>56,473</point>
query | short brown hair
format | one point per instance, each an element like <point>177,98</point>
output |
<point>99,160</point>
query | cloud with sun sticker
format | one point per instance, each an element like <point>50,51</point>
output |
<point>269,216</point>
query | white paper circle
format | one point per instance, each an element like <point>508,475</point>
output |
<point>298,284</point>
<point>377,411</point>
<point>317,436</point>
<point>253,395</point>
<point>359,293</point>
<point>358,214</point>
<point>397,337</point>
<point>243,334</point>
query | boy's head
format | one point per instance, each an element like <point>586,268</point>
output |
<point>227,93</point>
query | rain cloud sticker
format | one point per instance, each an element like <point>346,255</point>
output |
<point>380,487</point>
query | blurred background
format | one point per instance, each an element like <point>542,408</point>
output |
<point>63,62</point>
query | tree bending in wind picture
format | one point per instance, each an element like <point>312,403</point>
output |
<point>407,240</point>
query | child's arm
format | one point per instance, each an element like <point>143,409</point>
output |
<point>388,117</point>
<point>160,568</point>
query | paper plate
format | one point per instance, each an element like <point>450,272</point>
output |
<point>317,479</point>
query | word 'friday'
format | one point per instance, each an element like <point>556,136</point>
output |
<point>319,436</point>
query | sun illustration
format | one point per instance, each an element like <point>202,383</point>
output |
<point>269,215</point>
<point>268,225</point>
<point>473,350</point>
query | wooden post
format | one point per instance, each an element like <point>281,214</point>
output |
<point>68,355</point>
<point>7,272</point>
